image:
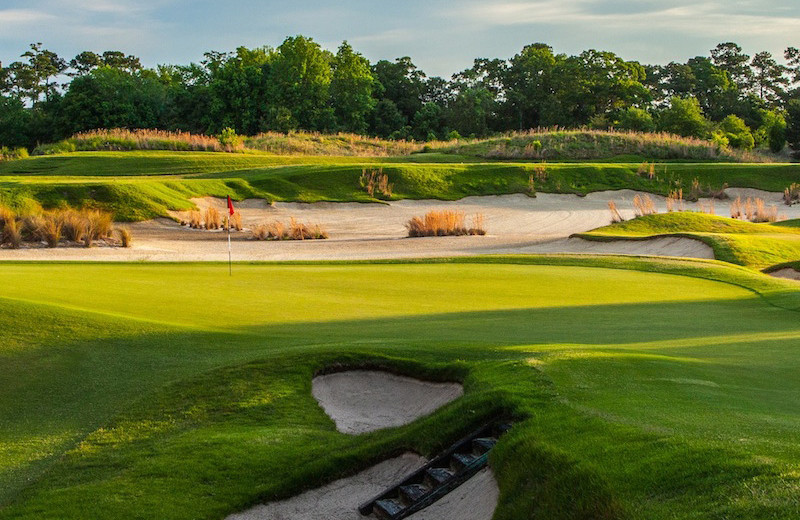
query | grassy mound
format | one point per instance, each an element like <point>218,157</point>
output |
<point>734,241</point>
<point>589,145</point>
<point>627,405</point>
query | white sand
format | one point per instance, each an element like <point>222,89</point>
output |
<point>362,401</point>
<point>338,500</point>
<point>515,224</point>
<point>664,246</point>
<point>475,499</point>
<point>787,272</point>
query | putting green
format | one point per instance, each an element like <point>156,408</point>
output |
<point>175,391</point>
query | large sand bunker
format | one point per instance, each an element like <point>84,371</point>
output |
<point>658,246</point>
<point>362,401</point>
<point>363,231</point>
<point>476,499</point>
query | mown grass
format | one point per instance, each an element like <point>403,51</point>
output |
<point>637,394</point>
<point>735,241</point>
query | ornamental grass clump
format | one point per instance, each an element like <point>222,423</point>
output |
<point>295,230</point>
<point>644,205</point>
<point>444,223</point>
<point>791,195</point>
<point>616,217</point>
<point>213,219</point>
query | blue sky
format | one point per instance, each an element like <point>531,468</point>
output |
<point>442,37</point>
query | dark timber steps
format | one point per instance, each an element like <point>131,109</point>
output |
<point>438,477</point>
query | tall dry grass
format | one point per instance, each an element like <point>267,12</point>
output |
<point>791,195</point>
<point>121,139</point>
<point>616,217</point>
<point>444,223</point>
<point>75,226</point>
<point>376,182</point>
<point>125,236</point>
<point>675,200</point>
<point>213,219</point>
<point>644,205</point>
<point>295,230</point>
<point>754,210</point>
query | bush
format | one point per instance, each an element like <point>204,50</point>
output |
<point>637,120</point>
<point>9,154</point>
<point>229,140</point>
<point>736,131</point>
<point>683,117</point>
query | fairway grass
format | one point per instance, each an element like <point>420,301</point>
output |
<point>641,388</point>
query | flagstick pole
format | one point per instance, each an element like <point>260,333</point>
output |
<point>230,261</point>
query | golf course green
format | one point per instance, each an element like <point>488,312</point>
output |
<point>640,388</point>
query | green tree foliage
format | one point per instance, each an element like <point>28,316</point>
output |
<point>683,117</point>
<point>402,83</point>
<point>729,57</point>
<point>769,78</point>
<point>351,89</point>
<point>113,98</point>
<point>772,131</point>
<point>793,124</point>
<point>636,119</point>
<point>14,123</point>
<point>737,133</point>
<point>300,81</point>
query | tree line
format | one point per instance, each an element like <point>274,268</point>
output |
<point>727,96</point>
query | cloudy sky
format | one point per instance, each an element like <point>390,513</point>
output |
<point>442,37</point>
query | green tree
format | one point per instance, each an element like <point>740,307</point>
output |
<point>772,130</point>
<point>14,123</point>
<point>769,77</point>
<point>402,83</point>
<point>111,98</point>
<point>729,57</point>
<point>793,124</point>
<point>683,117</point>
<point>300,81</point>
<point>351,89</point>
<point>387,118</point>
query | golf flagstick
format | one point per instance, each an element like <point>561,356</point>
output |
<point>231,211</point>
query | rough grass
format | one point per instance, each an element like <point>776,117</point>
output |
<point>627,405</point>
<point>583,145</point>
<point>444,223</point>
<point>735,241</point>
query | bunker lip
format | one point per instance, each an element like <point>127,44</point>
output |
<point>364,400</point>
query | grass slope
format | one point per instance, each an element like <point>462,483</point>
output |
<point>174,391</point>
<point>734,241</point>
<point>142,185</point>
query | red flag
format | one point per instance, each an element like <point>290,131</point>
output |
<point>230,206</point>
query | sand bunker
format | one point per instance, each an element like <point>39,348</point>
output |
<point>476,499</point>
<point>515,224</point>
<point>362,401</point>
<point>660,246</point>
<point>786,272</point>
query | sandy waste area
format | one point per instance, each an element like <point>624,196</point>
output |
<point>361,401</point>
<point>362,231</point>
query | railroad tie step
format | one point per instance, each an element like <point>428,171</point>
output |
<point>482,445</point>
<point>388,508</point>
<point>438,476</point>
<point>413,492</point>
<point>460,461</point>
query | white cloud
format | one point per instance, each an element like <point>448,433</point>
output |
<point>704,18</point>
<point>22,16</point>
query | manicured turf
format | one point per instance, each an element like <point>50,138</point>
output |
<point>735,241</point>
<point>142,185</point>
<point>175,391</point>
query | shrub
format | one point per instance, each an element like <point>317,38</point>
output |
<point>683,117</point>
<point>9,154</point>
<point>12,233</point>
<point>737,133</point>
<point>294,231</point>
<point>637,120</point>
<point>444,223</point>
<point>213,218</point>
<point>125,237</point>
<point>228,140</point>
